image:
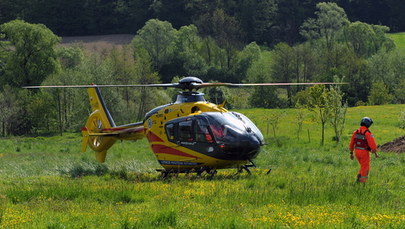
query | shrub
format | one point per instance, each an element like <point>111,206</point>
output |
<point>379,94</point>
<point>85,169</point>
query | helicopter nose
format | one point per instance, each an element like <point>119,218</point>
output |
<point>247,148</point>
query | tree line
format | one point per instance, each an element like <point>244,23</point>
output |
<point>335,49</point>
<point>265,22</point>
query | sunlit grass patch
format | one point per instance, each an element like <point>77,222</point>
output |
<point>241,201</point>
<point>321,216</point>
<point>399,39</point>
<point>20,216</point>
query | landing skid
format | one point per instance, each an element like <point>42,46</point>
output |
<point>165,173</point>
<point>246,167</point>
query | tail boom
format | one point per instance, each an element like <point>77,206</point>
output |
<point>100,132</point>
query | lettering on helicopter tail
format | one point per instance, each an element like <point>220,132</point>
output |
<point>153,137</point>
<point>164,162</point>
<point>168,150</point>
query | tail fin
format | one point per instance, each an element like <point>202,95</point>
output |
<point>98,121</point>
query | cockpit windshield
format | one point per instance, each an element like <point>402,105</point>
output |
<point>249,124</point>
<point>230,125</point>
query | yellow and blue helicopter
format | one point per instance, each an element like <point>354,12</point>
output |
<point>188,135</point>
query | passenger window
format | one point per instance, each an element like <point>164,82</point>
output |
<point>186,131</point>
<point>201,131</point>
<point>170,131</point>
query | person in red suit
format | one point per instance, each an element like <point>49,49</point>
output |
<point>362,142</point>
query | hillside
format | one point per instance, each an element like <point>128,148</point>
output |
<point>100,42</point>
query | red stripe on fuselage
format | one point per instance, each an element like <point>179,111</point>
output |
<point>153,137</point>
<point>169,150</point>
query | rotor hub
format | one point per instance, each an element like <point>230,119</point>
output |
<point>190,83</point>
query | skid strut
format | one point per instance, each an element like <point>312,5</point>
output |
<point>246,167</point>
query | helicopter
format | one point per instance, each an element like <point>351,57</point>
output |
<point>188,135</point>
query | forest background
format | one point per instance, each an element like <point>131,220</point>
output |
<point>231,41</point>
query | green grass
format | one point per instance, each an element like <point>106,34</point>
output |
<point>399,39</point>
<point>49,183</point>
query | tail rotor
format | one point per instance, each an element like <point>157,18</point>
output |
<point>95,133</point>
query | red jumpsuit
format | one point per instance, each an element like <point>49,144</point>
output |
<point>362,142</point>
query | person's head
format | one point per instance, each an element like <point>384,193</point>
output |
<point>366,121</point>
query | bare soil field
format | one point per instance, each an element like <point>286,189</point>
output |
<point>396,146</point>
<point>98,43</point>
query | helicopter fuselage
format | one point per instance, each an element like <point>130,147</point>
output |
<point>192,134</point>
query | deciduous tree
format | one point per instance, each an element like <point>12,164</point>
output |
<point>329,21</point>
<point>338,109</point>
<point>379,94</point>
<point>187,51</point>
<point>315,99</point>
<point>282,66</point>
<point>366,39</point>
<point>157,39</point>
<point>328,24</point>
<point>31,55</point>
<point>225,29</point>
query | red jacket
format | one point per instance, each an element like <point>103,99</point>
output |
<point>369,139</point>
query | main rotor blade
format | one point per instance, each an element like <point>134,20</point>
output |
<point>283,84</point>
<point>103,85</point>
<point>203,85</point>
<point>190,86</point>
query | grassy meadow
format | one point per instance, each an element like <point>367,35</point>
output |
<point>399,39</point>
<point>46,182</point>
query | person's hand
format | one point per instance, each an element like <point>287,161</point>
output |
<point>351,156</point>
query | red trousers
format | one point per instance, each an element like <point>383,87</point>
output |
<point>363,156</point>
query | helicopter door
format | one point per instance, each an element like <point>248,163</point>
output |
<point>186,133</point>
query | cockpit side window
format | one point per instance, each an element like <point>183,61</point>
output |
<point>186,131</point>
<point>202,133</point>
<point>217,128</point>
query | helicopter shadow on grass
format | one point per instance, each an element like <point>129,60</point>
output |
<point>174,177</point>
